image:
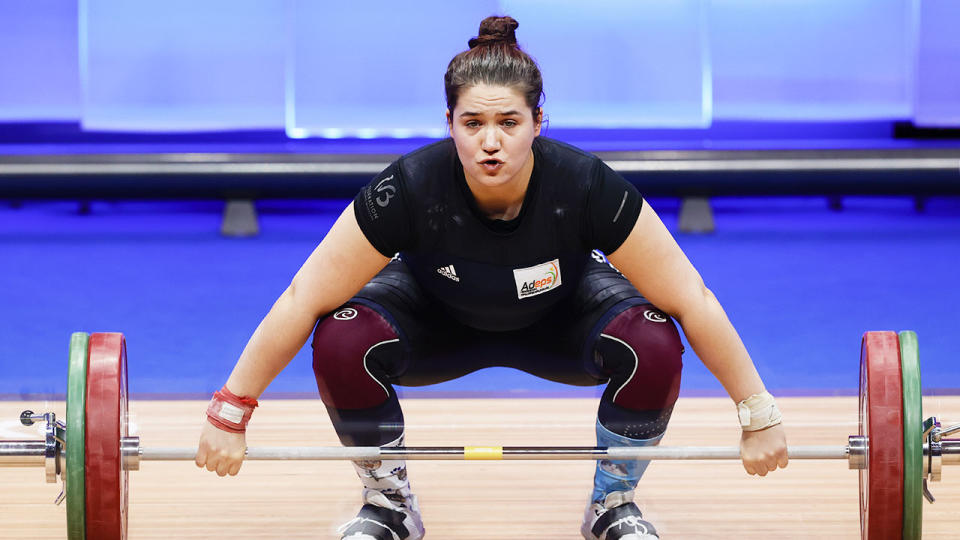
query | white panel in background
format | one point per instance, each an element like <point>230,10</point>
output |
<point>816,60</point>
<point>179,65</point>
<point>937,85</point>
<point>619,63</point>
<point>39,78</point>
<point>374,68</point>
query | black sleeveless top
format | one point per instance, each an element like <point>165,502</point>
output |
<point>491,274</point>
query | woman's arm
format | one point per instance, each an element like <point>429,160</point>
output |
<point>342,263</point>
<point>651,259</point>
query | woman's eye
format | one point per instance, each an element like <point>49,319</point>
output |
<point>509,123</point>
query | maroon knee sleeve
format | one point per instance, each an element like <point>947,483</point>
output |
<point>351,349</point>
<point>641,350</point>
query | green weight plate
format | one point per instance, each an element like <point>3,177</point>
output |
<point>76,435</point>
<point>912,437</point>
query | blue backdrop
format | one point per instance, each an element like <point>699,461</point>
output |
<point>374,68</point>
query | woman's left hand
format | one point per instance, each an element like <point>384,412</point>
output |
<point>763,451</point>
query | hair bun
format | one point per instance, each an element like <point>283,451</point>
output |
<point>496,30</point>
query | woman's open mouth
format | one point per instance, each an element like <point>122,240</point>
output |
<point>491,165</point>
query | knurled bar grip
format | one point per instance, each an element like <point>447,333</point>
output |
<point>495,453</point>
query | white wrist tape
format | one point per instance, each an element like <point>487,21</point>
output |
<point>758,411</point>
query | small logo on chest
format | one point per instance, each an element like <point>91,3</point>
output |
<point>537,279</point>
<point>448,272</point>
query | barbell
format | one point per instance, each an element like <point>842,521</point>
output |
<point>895,451</point>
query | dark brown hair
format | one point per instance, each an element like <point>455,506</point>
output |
<point>494,58</point>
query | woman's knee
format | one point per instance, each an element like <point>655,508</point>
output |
<point>353,350</point>
<point>640,350</point>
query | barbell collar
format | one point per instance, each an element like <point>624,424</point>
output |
<point>857,452</point>
<point>130,450</point>
<point>52,446</point>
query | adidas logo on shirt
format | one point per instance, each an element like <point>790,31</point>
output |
<point>449,272</point>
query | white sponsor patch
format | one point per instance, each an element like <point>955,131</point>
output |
<point>230,413</point>
<point>537,279</point>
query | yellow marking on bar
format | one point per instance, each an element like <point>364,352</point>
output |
<point>483,452</point>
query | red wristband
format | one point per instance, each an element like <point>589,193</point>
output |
<point>230,412</point>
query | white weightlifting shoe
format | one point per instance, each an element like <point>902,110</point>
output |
<point>618,518</point>
<point>383,518</point>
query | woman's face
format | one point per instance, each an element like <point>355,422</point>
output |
<point>493,129</point>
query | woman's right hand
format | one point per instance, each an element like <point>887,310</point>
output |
<point>220,451</point>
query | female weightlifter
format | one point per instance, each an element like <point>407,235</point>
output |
<point>487,249</point>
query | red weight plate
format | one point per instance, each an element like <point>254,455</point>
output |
<point>881,421</point>
<point>106,421</point>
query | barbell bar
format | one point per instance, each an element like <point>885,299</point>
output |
<point>562,453</point>
<point>34,453</point>
<point>30,453</point>
<point>894,451</point>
